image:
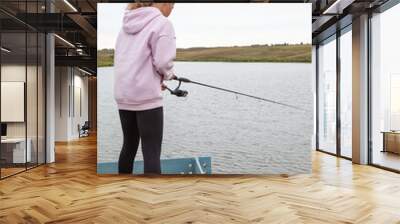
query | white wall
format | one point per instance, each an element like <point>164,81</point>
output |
<point>12,73</point>
<point>70,83</point>
<point>61,103</point>
<point>80,89</point>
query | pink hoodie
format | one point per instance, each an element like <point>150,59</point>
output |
<point>143,57</point>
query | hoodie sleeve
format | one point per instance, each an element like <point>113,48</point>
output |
<point>163,48</point>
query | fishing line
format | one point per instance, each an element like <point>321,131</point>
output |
<point>183,93</point>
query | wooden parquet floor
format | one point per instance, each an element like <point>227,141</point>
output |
<point>69,191</point>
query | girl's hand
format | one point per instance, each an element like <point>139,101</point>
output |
<point>163,87</point>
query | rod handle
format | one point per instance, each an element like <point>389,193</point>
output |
<point>181,79</point>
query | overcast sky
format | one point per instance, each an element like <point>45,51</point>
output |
<point>223,24</point>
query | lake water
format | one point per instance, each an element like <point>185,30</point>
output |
<point>242,135</point>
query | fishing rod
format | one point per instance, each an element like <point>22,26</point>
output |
<point>183,93</point>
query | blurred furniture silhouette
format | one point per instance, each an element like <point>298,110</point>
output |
<point>13,151</point>
<point>84,130</point>
<point>391,141</point>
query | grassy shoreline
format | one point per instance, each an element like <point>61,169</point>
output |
<point>284,53</point>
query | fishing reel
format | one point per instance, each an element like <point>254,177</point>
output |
<point>177,91</point>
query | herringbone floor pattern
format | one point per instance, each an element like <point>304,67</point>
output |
<point>69,191</point>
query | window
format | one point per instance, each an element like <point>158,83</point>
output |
<point>385,89</point>
<point>395,102</point>
<point>346,95</point>
<point>327,96</point>
<point>22,88</point>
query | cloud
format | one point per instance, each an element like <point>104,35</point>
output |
<point>221,24</point>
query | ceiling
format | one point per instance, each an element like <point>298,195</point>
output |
<point>331,15</point>
<point>74,22</point>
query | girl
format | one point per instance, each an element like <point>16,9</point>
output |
<point>144,56</point>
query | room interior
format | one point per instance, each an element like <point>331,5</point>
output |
<point>25,65</point>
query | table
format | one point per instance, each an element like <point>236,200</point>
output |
<point>13,150</point>
<point>391,141</point>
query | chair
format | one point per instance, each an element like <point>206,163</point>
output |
<point>84,130</point>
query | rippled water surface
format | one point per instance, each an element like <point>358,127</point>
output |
<point>242,135</point>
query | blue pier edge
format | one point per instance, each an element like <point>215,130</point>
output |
<point>168,166</point>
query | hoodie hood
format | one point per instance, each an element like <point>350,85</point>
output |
<point>135,20</point>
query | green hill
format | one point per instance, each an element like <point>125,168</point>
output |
<point>253,53</point>
<point>105,58</point>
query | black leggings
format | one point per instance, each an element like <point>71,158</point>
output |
<point>147,126</point>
